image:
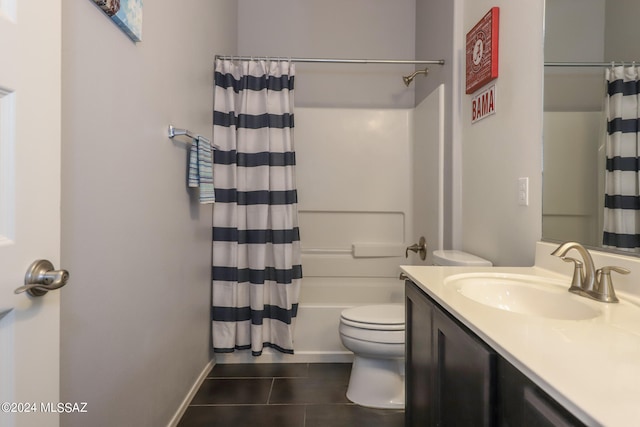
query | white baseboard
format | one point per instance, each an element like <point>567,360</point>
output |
<point>272,356</point>
<point>192,392</point>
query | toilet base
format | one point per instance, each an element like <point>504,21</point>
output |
<point>377,383</point>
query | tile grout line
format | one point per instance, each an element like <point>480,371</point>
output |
<point>273,380</point>
<point>306,407</point>
<point>212,405</point>
<point>304,416</point>
<point>252,378</point>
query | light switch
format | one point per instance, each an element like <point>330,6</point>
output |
<point>523,191</point>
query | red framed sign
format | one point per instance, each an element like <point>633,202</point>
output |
<point>482,51</point>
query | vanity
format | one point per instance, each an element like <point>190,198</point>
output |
<point>509,346</point>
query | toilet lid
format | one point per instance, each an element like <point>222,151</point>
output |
<point>455,257</point>
<point>382,316</point>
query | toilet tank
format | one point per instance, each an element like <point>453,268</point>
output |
<point>460,258</point>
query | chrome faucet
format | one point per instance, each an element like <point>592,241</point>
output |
<point>587,281</point>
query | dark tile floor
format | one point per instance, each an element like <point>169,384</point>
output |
<point>282,395</point>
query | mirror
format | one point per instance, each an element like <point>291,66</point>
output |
<point>579,31</point>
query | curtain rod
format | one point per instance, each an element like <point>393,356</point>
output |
<point>587,64</point>
<point>330,60</point>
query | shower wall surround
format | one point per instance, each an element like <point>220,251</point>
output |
<point>354,189</point>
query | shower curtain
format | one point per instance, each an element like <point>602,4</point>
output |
<point>256,271</point>
<point>622,186</point>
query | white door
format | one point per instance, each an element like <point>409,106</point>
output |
<point>428,169</point>
<point>30,73</point>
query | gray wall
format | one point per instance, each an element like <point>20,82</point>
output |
<point>435,39</point>
<point>574,32</point>
<point>508,145</point>
<point>622,30</point>
<point>358,29</point>
<point>135,315</point>
<point>483,161</point>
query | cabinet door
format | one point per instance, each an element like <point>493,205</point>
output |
<point>419,360</point>
<point>540,412</point>
<point>464,378</point>
<point>523,404</point>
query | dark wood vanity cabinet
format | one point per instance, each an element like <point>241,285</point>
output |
<point>463,379</point>
<point>449,371</point>
<point>523,404</point>
<point>419,375</point>
<point>453,378</point>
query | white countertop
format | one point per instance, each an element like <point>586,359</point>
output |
<point>591,367</point>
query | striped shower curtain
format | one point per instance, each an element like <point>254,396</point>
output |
<point>257,269</point>
<point>622,186</point>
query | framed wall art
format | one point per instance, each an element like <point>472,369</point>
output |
<point>126,14</point>
<point>482,51</point>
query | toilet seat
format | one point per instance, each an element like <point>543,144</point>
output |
<point>372,335</point>
<point>382,317</point>
<point>376,336</point>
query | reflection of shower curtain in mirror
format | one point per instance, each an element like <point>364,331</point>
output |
<point>257,269</point>
<point>622,186</point>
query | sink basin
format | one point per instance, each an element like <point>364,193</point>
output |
<point>523,294</point>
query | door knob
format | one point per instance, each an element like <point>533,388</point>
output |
<point>42,278</point>
<point>420,248</point>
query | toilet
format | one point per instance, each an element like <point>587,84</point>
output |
<point>454,257</point>
<point>375,335</point>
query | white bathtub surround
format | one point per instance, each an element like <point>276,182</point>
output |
<point>354,188</point>
<point>590,366</point>
<point>358,218</point>
<point>357,215</point>
<point>322,299</point>
<point>354,199</point>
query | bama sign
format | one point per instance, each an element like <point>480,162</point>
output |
<point>483,104</point>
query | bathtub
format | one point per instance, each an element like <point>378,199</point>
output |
<point>316,338</point>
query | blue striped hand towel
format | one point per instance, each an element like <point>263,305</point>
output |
<point>201,169</point>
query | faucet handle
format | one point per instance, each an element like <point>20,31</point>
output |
<point>608,269</point>
<point>604,285</point>
<point>577,282</point>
